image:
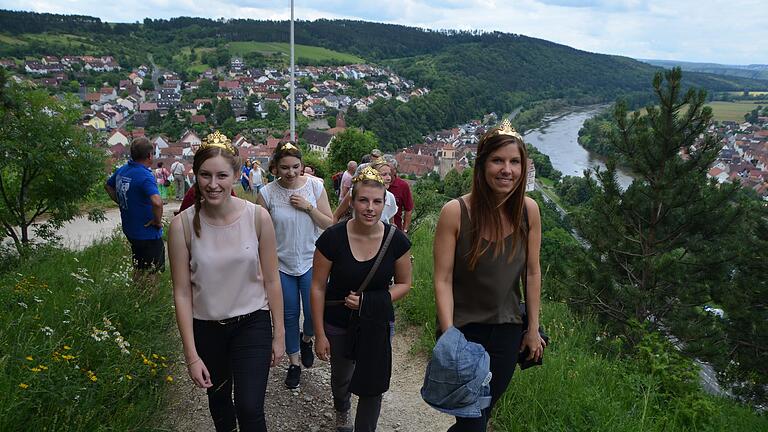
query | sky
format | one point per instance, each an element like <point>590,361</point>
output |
<point>715,31</point>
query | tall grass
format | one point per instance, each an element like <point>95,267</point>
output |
<point>82,347</point>
<point>581,387</point>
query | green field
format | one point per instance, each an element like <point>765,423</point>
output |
<point>10,40</point>
<point>730,111</point>
<point>303,52</point>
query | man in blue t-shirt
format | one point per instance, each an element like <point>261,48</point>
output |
<point>134,188</point>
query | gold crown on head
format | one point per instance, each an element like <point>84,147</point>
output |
<point>505,128</point>
<point>368,173</point>
<point>218,139</point>
<point>289,146</point>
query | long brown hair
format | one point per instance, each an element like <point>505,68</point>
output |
<point>483,212</point>
<point>201,156</point>
<point>280,152</point>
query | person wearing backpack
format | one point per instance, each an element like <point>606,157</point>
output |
<point>226,289</point>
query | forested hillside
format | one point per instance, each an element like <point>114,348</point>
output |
<point>470,73</point>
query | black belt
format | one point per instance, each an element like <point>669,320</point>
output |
<point>236,319</point>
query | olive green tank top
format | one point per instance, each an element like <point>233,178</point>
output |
<point>489,294</point>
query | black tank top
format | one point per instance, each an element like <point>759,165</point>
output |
<point>489,294</point>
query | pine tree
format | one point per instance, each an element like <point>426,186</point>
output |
<point>650,257</point>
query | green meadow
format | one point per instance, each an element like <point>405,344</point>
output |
<point>303,52</point>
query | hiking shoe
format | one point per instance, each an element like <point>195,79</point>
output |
<point>293,377</point>
<point>307,354</point>
<point>343,421</point>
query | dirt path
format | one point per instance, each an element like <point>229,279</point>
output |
<point>310,409</point>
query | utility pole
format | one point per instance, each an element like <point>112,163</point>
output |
<point>293,84</point>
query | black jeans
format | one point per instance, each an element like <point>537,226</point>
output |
<point>237,355</point>
<point>502,342</point>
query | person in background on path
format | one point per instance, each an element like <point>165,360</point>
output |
<point>485,242</point>
<point>403,198</point>
<point>245,176</point>
<point>226,290</point>
<point>346,179</point>
<point>256,178</point>
<point>309,170</point>
<point>300,211</point>
<point>134,188</point>
<point>161,176</point>
<point>177,171</point>
<point>390,206</point>
<point>345,255</point>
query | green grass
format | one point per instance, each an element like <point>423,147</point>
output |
<point>580,387</point>
<point>729,111</point>
<point>11,40</point>
<point>65,315</point>
<point>303,52</point>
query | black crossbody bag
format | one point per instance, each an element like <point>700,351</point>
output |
<point>522,358</point>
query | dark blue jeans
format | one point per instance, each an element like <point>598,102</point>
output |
<point>236,355</point>
<point>502,342</point>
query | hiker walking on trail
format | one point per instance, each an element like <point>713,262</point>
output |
<point>134,188</point>
<point>485,242</point>
<point>352,298</point>
<point>226,290</point>
<point>177,171</point>
<point>300,211</point>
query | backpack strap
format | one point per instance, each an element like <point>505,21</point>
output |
<point>187,233</point>
<point>257,220</point>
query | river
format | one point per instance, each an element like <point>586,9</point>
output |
<point>557,137</point>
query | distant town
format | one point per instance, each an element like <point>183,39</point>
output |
<point>123,112</point>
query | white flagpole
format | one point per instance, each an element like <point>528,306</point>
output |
<point>293,84</point>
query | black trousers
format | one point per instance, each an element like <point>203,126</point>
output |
<point>502,342</point>
<point>236,355</point>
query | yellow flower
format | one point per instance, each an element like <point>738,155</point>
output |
<point>34,369</point>
<point>67,347</point>
<point>154,356</point>
<point>93,378</point>
<point>23,386</point>
<point>29,358</point>
<point>68,357</point>
<point>43,367</point>
<point>169,378</point>
<point>129,377</point>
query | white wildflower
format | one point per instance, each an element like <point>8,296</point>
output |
<point>47,331</point>
<point>24,305</point>
<point>37,299</point>
<point>99,335</point>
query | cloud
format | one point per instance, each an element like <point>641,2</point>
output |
<point>695,30</point>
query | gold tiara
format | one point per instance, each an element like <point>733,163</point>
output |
<point>289,146</point>
<point>368,173</point>
<point>218,139</point>
<point>506,129</point>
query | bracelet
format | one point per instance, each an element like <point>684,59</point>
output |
<point>194,361</point>
<point>309,208</point>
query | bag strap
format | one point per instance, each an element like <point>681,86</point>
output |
<point>379,258</point>
<point>256,220</point>
<point>525,266</point>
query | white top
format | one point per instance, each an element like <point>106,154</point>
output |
<point>390,208</point>
<point>225,270</point>
<point>295,231</point>
<point>257,176</point>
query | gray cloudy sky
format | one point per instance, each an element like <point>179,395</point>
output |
<point>718,31</point>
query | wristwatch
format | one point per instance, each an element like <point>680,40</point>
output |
<point>309,208</point>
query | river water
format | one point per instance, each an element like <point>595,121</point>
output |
<point>557,137</point>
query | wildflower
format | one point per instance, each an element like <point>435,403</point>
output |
<point>155,356</point>
<point>22,304</point>
<point>68,357</point>
<point>23,386</point>
<point>29,358</point>
<point>99,335</point>
<point>67,347</point>
<point>128,377</point>
<point>66,311</point>
<point>47,331</point>
<point>76,260</point>
<point>37,299</point>
<point>35,369</point>
<point>169,378</point>
<point>43,367</point>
